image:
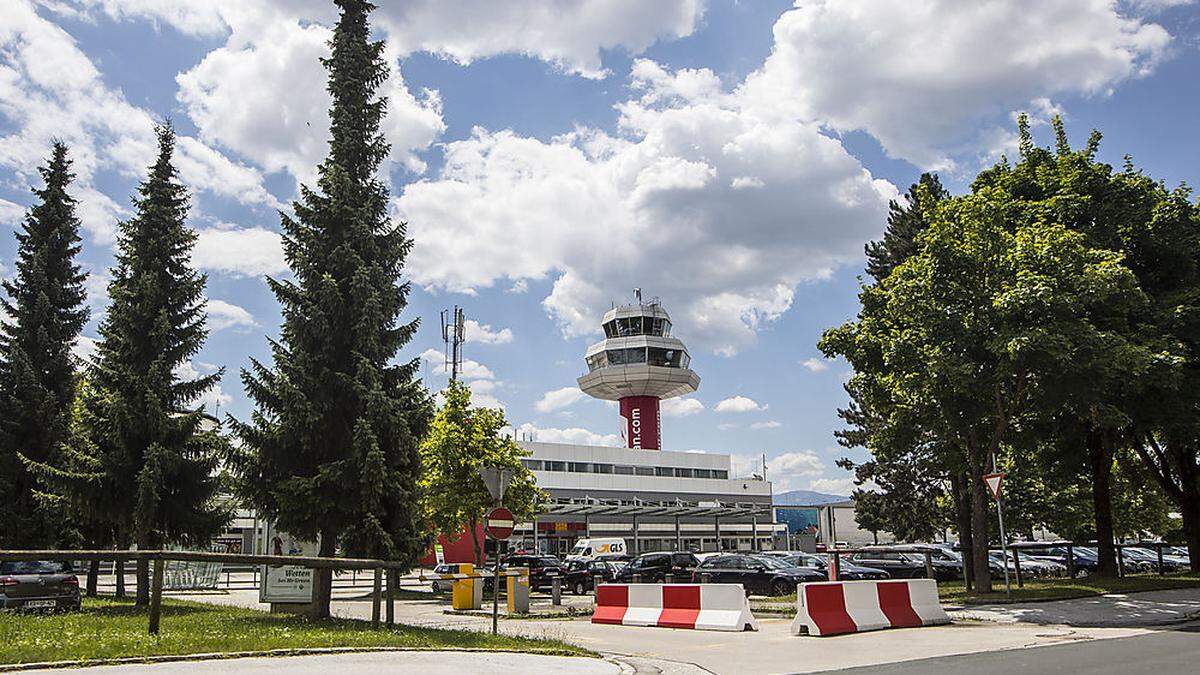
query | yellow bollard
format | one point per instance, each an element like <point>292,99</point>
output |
<point>518,591</point>
<point>466,593</point>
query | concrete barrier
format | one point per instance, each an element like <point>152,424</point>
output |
<point>688,606</point>
<point>837,607</point>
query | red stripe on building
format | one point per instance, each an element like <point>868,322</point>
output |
<point>896,604</point>
<point>611,604</point>
<point>827,607</point>
<point>681,607</point>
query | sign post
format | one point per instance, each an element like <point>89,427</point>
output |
<point>993,481</point>
<point>498,525</point>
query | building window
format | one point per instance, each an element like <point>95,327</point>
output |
<point>556,466</point>
<point>663,471</point>
<point>623,470</point>
<point>665,358</point>
<point>644,470</point>
<point>532,464</point>
<point>602,468</point>
<point>683,473</point>
<point>702,473</point>
<point>720,473</point>
<point>578,467</point>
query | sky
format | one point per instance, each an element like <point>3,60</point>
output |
<point>728,157</point>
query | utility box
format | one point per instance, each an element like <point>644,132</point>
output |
<point>518,591</point>
<point>466,593</point>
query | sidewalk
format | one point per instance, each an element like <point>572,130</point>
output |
<point>1134,610</point>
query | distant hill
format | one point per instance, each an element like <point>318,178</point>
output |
<point>806,498</point>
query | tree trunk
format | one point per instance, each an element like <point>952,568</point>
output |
<point>962,517</point>
<point>473,527</point>
<point>93,576</point>
<point>323,578</point>
<point>143,573</point>
<point>1190,512</point>
<point>119,572</point>
<point>979,520</point>
<point>1100,461</point>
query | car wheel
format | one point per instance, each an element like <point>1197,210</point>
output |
<point>781,587</point>
<point>579,589</point>
<point>1081,573</point>
<point>706,578</point>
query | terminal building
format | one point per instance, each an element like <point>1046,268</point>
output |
<point>654,499</point>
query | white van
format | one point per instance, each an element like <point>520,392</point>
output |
<point>590,549</point>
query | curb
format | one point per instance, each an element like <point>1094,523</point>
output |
<point>269,653</point>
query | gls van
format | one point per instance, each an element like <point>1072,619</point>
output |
<point>590,549</point>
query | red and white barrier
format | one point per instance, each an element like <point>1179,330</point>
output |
<point>836,607</point>
<point>692,606</point>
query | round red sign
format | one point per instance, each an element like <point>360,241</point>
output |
<point>499,523</point>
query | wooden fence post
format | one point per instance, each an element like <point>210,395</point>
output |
<point>375,597</point>
<point>156,585</point>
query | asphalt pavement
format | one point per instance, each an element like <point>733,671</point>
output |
<point>1173,651</point>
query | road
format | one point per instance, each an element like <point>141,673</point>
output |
<point>1162,652</point>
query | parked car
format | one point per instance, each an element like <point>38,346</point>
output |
<point>655,567</point>
<point>759,575</point>
<point>907,565</point>
<point>1085,560</point>
<point>444,585</point>
<point>543,569</point>
<point>848,570</point>
<point>1171,562</point>
<point>581,574</point>
<point>38,584</point>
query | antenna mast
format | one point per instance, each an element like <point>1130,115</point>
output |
<point>453,334</point>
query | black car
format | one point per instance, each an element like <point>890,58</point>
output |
<point>1085,559</point>
<point>543,569</point>
<point>652,568</point>
<point>581,574</point>
<point>848,570</point>
<point>905,564</point>
<point>760,575</point>
<point>38,584</point>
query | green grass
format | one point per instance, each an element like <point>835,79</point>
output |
<point>1036,590</point>
<point>108,628</point>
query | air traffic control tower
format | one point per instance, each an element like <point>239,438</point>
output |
<point>638,364</point>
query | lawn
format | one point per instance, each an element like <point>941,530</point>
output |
<point>1062,589</point>
<point>109,628</point>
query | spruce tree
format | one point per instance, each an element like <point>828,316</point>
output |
<point>37,370</point>
<point>159,461</point>
<point>332,451</point>
<point>905,222</point>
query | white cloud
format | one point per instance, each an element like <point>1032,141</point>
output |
<point>85,348</point>
<point>213,399</point>
<point>251,251</point>
<point>10,213</point>
<point>573,435</point>
<point>681,407</point>
<point>263,95</point>
<point>566,33</point>
<point>769,424</point>
<point>468,369</point>
<point>816,365</point>
<point>222,315</point>
<point>739,404</point>
<point>483,333</point>
<point>786,471</point>
<point>50,90</point>
<point>726,426</point>
<point>518,286</point>
<point>483,393</point>
<point>834,486</point>
<point>921,75</point>
<point>657,197</point>
<point>558,399</point>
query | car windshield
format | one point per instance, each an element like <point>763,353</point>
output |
<point>548,562</point>
<point>772,563</point>
<point>808,561</point>
<point>35,567</point>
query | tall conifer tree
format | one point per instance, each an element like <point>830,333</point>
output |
<point>37,371</point>
<point>159,461</point>
<point>332,450</point>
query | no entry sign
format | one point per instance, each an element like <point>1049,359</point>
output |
<point>499,523</point>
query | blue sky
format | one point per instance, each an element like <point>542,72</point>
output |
<point>729,157</point>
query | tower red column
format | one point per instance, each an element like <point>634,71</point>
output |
<point>642,422</point>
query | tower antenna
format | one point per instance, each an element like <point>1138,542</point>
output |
<point>453,335</point>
